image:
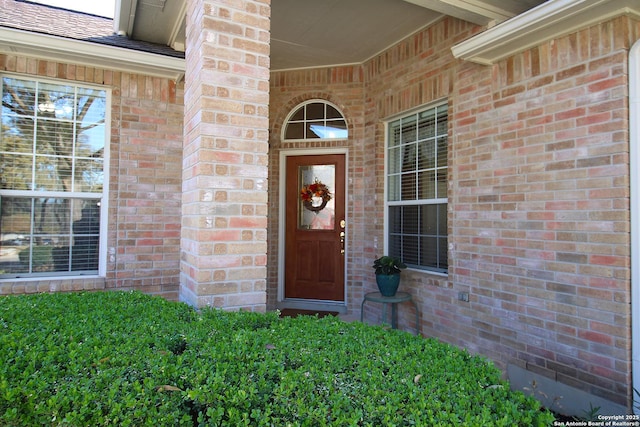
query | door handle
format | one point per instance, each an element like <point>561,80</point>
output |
<point>342,242</point>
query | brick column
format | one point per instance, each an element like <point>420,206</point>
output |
<point>224,167</point>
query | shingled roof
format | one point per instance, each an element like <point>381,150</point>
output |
<point>68,24</point>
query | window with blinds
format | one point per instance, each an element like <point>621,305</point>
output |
<point>52,177</point>
<point>417,189</point>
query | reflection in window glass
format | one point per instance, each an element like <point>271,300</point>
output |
<point>315,111</point>
<point>52,148</point>
<point>315,120</point>
<point>316,207</point>
<point>417,189</point>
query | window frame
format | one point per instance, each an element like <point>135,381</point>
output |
<point>102,196</point>
<point>416,202</point>
<point>288,120</point>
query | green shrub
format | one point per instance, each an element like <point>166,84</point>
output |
<point>41,256</point>
<point>127,359</point>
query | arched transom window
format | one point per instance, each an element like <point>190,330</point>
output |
<point>315,120</point>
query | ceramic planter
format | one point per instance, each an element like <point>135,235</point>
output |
<point>388,284</point>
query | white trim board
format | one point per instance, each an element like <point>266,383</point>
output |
<point>634,164</point>
<point>44,46</point>
<point>547,21</point>
<point>281,301</point>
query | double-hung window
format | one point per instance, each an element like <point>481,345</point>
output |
<point>52,177</point>
<point>417,189</point>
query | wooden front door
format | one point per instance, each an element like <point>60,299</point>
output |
<point>315,227</point>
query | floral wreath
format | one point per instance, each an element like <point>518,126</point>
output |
<point>316,189</point>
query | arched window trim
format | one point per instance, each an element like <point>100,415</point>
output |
<point>303,104</point>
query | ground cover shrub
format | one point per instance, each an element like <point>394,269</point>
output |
<point>128,359</point>
<point>41,256</point>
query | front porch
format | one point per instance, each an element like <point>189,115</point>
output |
<point>536,195</point>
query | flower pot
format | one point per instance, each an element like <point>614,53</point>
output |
<point>388,284</point>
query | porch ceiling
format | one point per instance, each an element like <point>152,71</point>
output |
<point>316,33</point>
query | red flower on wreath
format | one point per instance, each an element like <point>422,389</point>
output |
<point>316,189</point>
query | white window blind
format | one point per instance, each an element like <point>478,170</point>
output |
<point>52,177</point>
<point>417,188</point>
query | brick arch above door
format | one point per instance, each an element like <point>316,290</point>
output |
<point>279,116</point>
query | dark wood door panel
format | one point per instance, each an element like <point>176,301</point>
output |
<point>314,262</point>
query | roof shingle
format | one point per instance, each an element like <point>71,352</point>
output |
<point>68,24</point>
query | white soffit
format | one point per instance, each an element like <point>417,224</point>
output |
<point>90,54</point>
<point>124,16</point>
<point>474,11</point>
<point>544,22</point>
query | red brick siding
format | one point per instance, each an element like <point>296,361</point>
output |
<point>341,86</point>
<point>145,185</point>
<point>540,224</point>
<point>223,259</point>
<point>538,194</point>
<point>146,203</point>
<point>418,71</point>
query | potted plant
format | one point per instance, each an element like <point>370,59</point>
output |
<point>388,269</point>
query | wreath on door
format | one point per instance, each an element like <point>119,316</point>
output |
<point>315,196</point>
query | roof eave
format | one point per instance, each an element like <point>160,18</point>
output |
<point>124,17</point>
<point>545,22</point>
<point>90,54</point>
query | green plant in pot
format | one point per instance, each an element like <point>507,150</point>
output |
<point>388,269</point>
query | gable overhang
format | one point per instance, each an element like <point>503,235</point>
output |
<point>545,22</point>
<point>124,17</point>
<point>90,54</point>
<point>147,21</point>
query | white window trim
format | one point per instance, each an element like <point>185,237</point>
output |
<point>104,203</point>
<point>296,108</point>
<point>385,193</point>
<point>282,219</point>
<point>634,163</point>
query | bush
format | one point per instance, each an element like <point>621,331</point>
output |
<point>41,257</point>
<point>128,359</point>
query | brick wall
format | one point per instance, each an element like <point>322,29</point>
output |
<point>145,202</point>
<point>538,195</point>
<point>223,260</point>
<point>145,184</point>
<point>341,86</point>
<point>418,71</point>
<point>541,208</point>
<point>538,199</point>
